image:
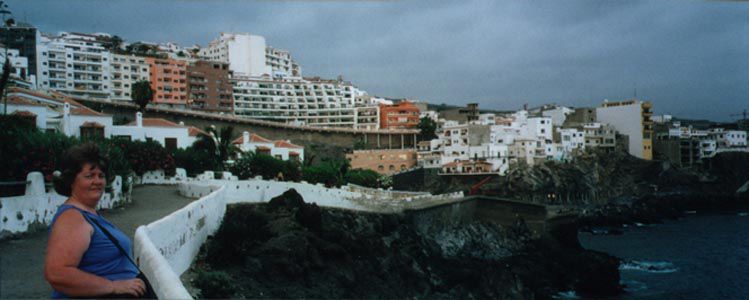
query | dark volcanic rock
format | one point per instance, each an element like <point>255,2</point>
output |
<point>291,249</point>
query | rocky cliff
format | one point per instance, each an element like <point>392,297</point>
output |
<point>291,249</point>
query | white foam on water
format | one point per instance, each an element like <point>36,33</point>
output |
<point>649,266</point>
<point>566,295</point>
<point>743,214</point>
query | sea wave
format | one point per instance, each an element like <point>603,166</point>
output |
<point>743,214</point>
<point>649,266</point>
<point>566,295</point>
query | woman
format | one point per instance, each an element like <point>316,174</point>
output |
<point>81,261</point>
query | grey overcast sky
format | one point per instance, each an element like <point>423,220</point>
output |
<point>690,58</point>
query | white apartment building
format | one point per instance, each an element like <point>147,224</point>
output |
<point>126,70</point>
<point>631,118</point>
<point>539,127</point>
<point>249,56</point>
<point>558,114</point>
<point>572,139</point>
<point>728,138</point>
<point>74,63</point>
<point>302,101</point>
<point>281,63</point>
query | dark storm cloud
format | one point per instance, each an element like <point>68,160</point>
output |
<point>688,57</point>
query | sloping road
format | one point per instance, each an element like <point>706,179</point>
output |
<point>22,260</point>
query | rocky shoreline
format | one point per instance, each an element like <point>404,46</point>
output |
<point>291,249</point>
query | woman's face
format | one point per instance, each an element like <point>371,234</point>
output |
<point>88,185</point>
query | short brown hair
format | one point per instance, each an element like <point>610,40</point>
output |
<point>72,163</point>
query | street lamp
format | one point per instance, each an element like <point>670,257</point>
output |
<point>7,22</point>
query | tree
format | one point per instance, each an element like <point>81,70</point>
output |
<point>331,173</point>
<point>363,177</point>
<point>427,129</point>
<point>217,142</point>
<point>113,43</point>
<point>141,93</point>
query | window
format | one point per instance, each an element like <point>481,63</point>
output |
<point>92,132</point>
<point>380,168</point>
<point>391,168</point>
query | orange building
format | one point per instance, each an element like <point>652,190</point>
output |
<point>404,115</point>
<point>383,161</point>
<point>168,80</point>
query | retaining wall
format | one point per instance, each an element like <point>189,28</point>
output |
<point>35,209</point>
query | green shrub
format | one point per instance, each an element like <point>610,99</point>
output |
<point>242,167</point>
<point>148,156</point>
<point>112,149</point>
<point>292,171</point>
<point>26,149</point>
<point>331,173</point>
<point>367,178</point>
<point>195,161</point>
<point>252,164</point>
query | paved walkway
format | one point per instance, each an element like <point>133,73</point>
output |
<point>22,260</point>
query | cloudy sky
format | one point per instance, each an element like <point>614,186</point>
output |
<point>690,58</point>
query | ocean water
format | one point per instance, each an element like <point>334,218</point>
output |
<point>696,257</point>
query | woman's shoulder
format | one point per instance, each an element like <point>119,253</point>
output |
<point>68,215</point>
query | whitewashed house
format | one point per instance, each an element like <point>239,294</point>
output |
<point>280,149</point>
<point>31,110</point>
<point>169,134</point>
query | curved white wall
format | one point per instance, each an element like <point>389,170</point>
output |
<point>167,247</point>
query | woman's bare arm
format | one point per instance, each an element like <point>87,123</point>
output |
<point>69,239</point>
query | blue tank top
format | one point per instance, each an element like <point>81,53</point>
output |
<point>102,258</point>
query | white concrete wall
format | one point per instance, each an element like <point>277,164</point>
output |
<point>167,247</point>
<point>37,206</point>
<point>158,177</point>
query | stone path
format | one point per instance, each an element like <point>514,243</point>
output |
<point>22,260</point>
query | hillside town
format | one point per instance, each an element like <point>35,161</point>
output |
<point>240,75</point>
<point>428,163</point>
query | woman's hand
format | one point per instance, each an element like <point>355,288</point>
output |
<point>134,287</point>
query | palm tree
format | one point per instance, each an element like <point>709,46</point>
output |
<point>218,142</point>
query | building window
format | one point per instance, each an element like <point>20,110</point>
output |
<point>91,132</point>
